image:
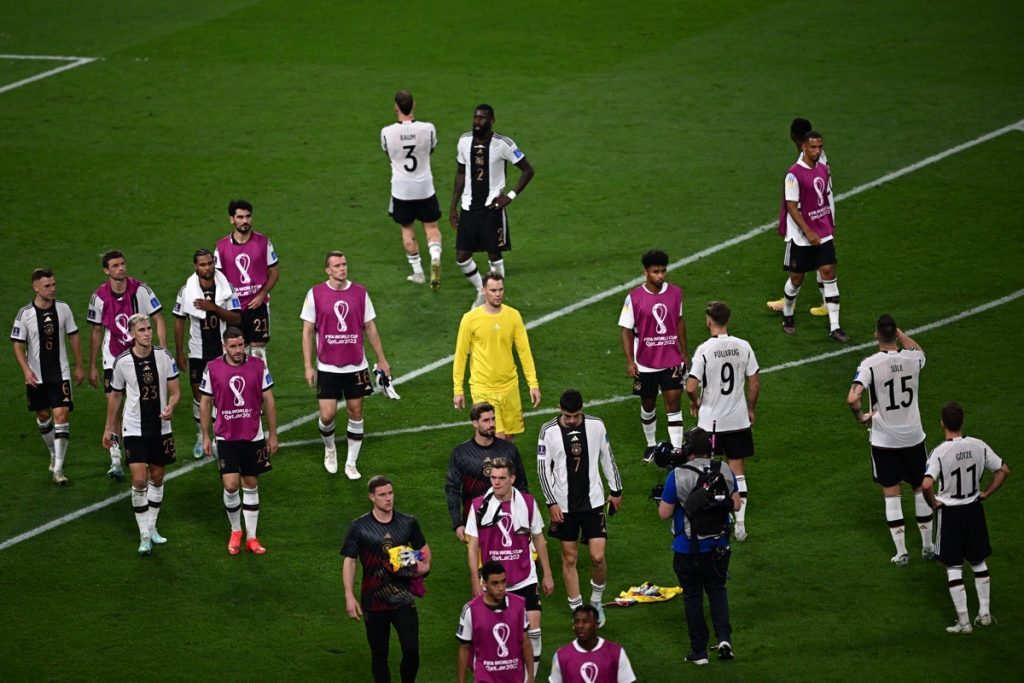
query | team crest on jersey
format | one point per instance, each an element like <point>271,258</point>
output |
<point>49,328</point>
<point>576,447</point>
<point>148,378</point>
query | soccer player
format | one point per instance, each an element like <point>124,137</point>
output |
<point>469,469</point>
<point>240,387</point>
<point>806,221</point>
<point>569,449</point>
<point>387,595</point>
<point>797,130</point>
<point>715,385</point>
<point>492,632</point>
<point>147,377</point>
<point>110,306</point>
<point>654,341</point>
<point>409,145</point>
<point>898,453</point>
<point>590,658</point>
<point>505,525</point>
<point>482,224</point>
<point>704,568</point>
<point>249,262</point>
<point>487,335</point>
<point>339,312</point>
<point>208,303</point>
<point>38,337</point>
<point>957,464</point>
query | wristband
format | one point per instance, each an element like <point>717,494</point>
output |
<point>511,195</point>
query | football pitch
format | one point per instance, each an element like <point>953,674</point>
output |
<point>130,125</point>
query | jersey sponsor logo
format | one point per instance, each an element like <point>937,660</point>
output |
<point>237,385</point>
<point>341,312</point>
<point>242,262</point>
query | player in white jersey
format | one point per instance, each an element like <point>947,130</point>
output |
<point>409,144</point>
<point>209,304</point>
<point>957,464</point>
<point>718,369</point>
<point>894,423</point>
<point>482,224</point>
<point>797,130</point>
<point>147,378</point>
<point>38,337</point>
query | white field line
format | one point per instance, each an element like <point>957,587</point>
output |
<point>73,63</point>
<point>462,424</point>
<point>1019,126</point>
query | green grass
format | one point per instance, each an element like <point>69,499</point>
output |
<point>658,124</point>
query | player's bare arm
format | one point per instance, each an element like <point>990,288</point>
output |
<point>76,350</point>
<point>997,480</point>
<point>794,213</point>
<point>753,391</point>
<point>206,421</point>
<point>473,560</point>
<point>113,423</point>
<point>853,400</point>
<point>693,391</point>
<point>348,580</point>
<point>273,275</point>
<point>906,342</point>
<point>460,185</point>
<point>19,355</point>
<point>627,346</point>
<point>95,339</point>
<point>179,342</point>
<point>230,317</point>
<point>270,411</point>
<point>161,328</point>
<point>307,353</point>
<point>173,396</point>
<point>374,338</point>
<point>526,175</point>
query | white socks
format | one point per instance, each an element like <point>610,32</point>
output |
<point>250,510</point>
<point>894,515</point>
<point>355,441</point>
<point>649,421</point>
<point>468,268</point>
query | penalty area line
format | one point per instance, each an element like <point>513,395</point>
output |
<point>73,63</point>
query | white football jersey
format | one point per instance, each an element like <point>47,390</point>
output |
<point>198,326</point>
<point>957,466</point>
<point>891,379</point>
<point>58,321</point>
<point>721,365</point>
<point>409,145</point>
<point>157,369</point>
<point>486,163</point>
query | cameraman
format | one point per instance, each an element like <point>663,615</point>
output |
<point>705,567</point>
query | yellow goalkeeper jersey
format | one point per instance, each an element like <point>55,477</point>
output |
<point>488,340</point>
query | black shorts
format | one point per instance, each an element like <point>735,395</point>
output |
<point>890,466</point>
<point>962,534</point>
<point>483,230</point>
<point>157,449</point>
<point>531,595</point>
<point>108,374</point>
<point>406,211</point>
<point>578,526</point>
<point>805,259</point>
<point>248,458</point>
<point>735,445</point>
<point>196,366</point>
<point>256,324</point>
<point>49,395</point>
<point>646,385</point>
<point>347,385</point>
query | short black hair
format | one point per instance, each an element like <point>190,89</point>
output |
<point>586,608</point>
<point>799,128</point>
<point>236,204</point>
<point>490,568</point>
<point>718,312</point>
<point>479,409</point>
<point>110,256</point>
<point>232,332</point>
<point>886,328</point>
<point>39,273</point>
<point>376,482</point>
<point>201,252</point>
<point>654,257</point>
<point>953,416</point>
<point>571,401</point>
<point>698,441</point>
<point>811,135</point>
<point>487,108</point>
<point>403,98</point>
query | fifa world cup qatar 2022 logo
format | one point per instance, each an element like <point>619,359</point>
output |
<point>242,262</point>
<point>660,313</point>
<point>589,672</point>
<point>505,527</point>
<point>237,385</point>
<point>501,633</point>
<point>341,312</point>
<point>121,322</point>
<point>819,189</point>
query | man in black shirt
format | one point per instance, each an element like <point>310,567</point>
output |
<point>469,470</point>
<point>387,595</point>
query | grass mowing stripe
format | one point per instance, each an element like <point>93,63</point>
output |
<point>75,63</point>
<point>450,425</point>
<point>714,249</point>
